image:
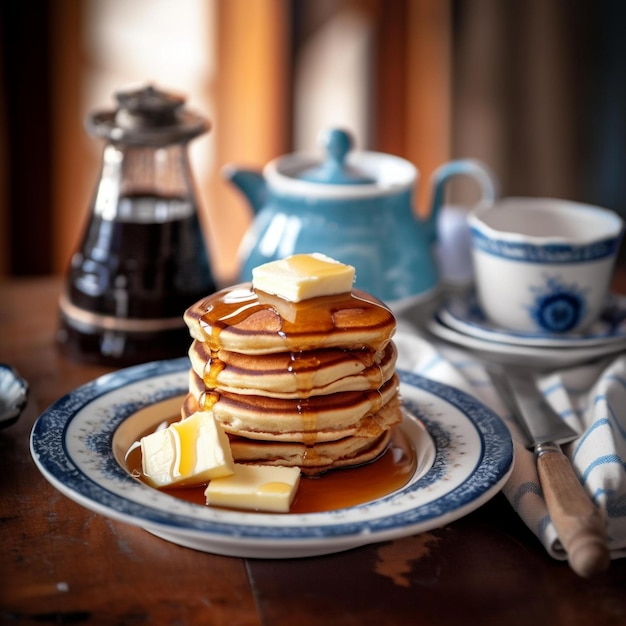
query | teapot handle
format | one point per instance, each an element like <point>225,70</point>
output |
<point>468,167</point>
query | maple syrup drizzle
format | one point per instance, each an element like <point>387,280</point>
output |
<point>319,316</point>
<point>303,366</point>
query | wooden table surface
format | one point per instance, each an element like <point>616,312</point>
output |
<point>60,563</point>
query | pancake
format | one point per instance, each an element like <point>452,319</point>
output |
<point>318,418</point>
<point>312,460</point>
<point>288,375</point>
<point>243,320</point>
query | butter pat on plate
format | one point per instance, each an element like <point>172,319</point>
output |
<point>303,276</point>
<point>189,452</point>
<point>255,487</point>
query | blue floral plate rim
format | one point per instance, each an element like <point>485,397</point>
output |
<point>71,444</point>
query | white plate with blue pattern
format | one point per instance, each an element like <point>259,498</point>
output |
<point>465,455</point>
<point>463,313</point>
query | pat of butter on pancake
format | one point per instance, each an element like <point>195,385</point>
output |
<point>303,276</point>
<point>189,452</point>
<point>255,487</point>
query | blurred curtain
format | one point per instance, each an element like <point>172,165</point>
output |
<point>25,147</point>
<point>252,111</point>
<point>540,95</point>
<point>514,93</point>
<point>413,88</point>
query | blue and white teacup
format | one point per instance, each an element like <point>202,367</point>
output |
<point>543,265</point>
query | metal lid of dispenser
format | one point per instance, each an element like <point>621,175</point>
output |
<point>148,117</point>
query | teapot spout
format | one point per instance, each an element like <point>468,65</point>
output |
<point>250,182</point>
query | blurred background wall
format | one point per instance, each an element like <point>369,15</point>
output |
<point>534,88</point>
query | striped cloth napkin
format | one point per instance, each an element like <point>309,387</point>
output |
<point>590,398</point>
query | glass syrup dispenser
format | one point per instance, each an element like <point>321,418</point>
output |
<point>143,259</point>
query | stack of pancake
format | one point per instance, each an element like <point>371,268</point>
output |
<point>309,384</point>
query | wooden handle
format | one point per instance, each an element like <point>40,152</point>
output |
<point>577,521</point>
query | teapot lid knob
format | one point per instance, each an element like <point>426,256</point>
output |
<point>337,144</point>
<point>334,170</point>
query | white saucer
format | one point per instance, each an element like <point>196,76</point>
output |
<point>464,451</point>
<point>463,313</point>
<point>546,358</point>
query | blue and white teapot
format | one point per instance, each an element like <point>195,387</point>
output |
<point>356,207</point>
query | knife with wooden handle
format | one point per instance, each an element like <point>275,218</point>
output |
<point>578,522</point>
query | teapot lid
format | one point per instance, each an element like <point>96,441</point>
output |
<point>344,174</point>
<point>149,117</point>
<point>335,170</point>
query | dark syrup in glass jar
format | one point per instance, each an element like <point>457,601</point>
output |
<point>130,282</point>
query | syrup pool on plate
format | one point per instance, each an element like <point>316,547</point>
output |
<point>336,489</point>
